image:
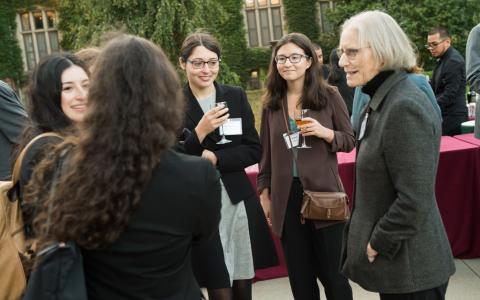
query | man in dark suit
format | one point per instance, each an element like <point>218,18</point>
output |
<point>448,80</point>
<point>12,120</point>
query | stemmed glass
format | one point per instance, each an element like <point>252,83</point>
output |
<point>299,115</point>
<point>223,140</point>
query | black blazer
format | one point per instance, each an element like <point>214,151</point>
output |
<point>234,157</point>
<point>152,258</point>
<point>448,83</point>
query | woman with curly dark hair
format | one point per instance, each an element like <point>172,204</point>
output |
<point>122,193</point>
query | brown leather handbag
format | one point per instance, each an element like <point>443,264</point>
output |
<point>322,206</point>
<point>325,206</point>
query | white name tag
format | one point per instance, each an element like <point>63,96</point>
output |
<point>294,138</point>
<point>233,126</point>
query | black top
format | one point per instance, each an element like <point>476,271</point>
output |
<point>33,156</point>
<point>234,157</point>
<point>151,258</point>
<point>448,83</point>
<point>372,86</point>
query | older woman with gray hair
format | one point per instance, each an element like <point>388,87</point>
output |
<point>395,243</point>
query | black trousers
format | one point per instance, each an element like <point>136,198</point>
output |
<point>312,253</point>
<point>437,293</point>
<point>452,125</point>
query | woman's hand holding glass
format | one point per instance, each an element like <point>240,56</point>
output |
<point>312,127</point>
<point>210,121</point>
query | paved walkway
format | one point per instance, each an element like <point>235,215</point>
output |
<point>464,285</point>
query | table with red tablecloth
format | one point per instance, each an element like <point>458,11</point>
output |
<point>457,192</point>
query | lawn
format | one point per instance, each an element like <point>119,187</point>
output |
<point>254,97</point>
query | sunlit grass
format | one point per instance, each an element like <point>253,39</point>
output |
<point>254,97</point>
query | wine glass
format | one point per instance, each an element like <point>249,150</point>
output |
<point>223,140</point>
<point>299,115</point>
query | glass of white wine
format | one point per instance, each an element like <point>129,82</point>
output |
<point>223,140</point>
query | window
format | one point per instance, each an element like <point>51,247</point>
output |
<point>325,26</point>
<point>277,23</point>
<point>249,3</point>
<point>252,28</point>
<point>262,3</point>
<point>264,26</point>
<point>264,21</point>
<point>39,34</point>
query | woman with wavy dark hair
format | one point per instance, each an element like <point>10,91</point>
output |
<point>312,248</point>
<point>121,195</point>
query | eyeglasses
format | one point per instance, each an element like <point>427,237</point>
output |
<point>351,53</point>
<point>434,45</point>
<point>200,64</point>
<point>294,58</point>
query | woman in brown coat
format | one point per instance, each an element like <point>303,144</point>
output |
<point>312,249</point>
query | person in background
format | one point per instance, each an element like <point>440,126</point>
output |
<point>473,70</point>
<point>312,248</point>
<point>319,53</point>
<point>123,195</point>
<point>414,74</point>
<point>244,242</point>
<point>337,77</point>
<point>473,59</point>
<point>89,56</point>
<point>12,119</point>
<point>448,80</point>
<point>395,242</point>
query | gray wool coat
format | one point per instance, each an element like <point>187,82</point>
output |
<point>394,204</point>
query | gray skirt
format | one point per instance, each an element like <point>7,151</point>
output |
<point>235,237</point>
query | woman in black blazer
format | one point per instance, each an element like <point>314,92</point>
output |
<point>243,231</point>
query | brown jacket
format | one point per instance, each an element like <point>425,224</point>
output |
<point>317,166</point>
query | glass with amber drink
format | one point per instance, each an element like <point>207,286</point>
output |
<point>299,120</point>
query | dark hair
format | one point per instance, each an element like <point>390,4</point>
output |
<point>316,46</point>
<point>199,39</point>
<point>135,110</point>
<point>44,94</point>
<point>442,31</point>
<point>315,90</point>
<point>336,73</point>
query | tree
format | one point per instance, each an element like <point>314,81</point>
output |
<point>415,17</point>
<point>11,64</point>
<point>301,17</point>
<point>165,22</point>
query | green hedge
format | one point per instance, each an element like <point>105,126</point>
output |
<point>11,64</point>
<point>301,17</point>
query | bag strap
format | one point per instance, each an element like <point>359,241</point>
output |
<point>337,179</point>
<point>289,132</point>
<point>18,163</point>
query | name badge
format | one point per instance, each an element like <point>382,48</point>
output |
<point>294,138</point>
<point>233,126</point>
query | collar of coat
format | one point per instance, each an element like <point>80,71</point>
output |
<point>383,90</point>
